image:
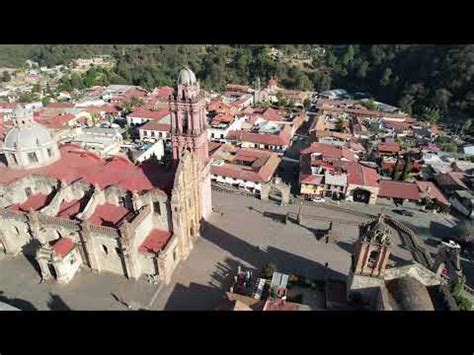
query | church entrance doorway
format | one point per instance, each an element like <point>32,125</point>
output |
<point>361,195</point>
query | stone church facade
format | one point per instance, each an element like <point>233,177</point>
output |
<point>70,209</point>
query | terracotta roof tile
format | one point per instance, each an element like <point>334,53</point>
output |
<point>398,189</point>
<point>155,241</point>
<point>63,246</point>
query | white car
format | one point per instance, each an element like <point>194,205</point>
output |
<point>318,199</point>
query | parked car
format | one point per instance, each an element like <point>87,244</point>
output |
<point>318,199</point>
<point>404,213</point>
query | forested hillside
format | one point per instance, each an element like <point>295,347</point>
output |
<point>422,79</point>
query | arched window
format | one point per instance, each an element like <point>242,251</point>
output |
<point>373,257</point>
<point>105,250</point>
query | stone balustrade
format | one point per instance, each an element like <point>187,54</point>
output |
<point>109,231</point>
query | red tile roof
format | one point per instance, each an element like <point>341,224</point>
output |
<point>63,246</point>
<point>262,169</point>
<point>218,106</point>
<point>69,209</point>
<point>107,108</point>
<point>330,151</point>
<point>56,122</point>
<point>397,125</point>
<point>283,138</point>
<point>108,215</point>
<point>8,105</point>
<point>163,93</point>
<point>35,202</point>
<point>60,105</point>
<point>361,175</point>
<point>313,179</point>
<point>271,114</point>
<point>222,118</point>
<point>428,189</point>
<point>388,147</point>
<point>156,126</point>
<point>398,189</point>
<point>76,163</point>
<point>155,241</point>
<point>141,112</point>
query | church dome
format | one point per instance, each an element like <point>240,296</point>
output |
<point>29,137</point>
<point>186,77</point>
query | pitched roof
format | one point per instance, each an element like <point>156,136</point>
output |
<point>63,247</point>
<point>60,105</point>
<point>156,126</point>
<point>155,241</point>
<point>399,189</point>
<point>428,189</point>
<point>388,147</point>
<point>141,112</point>
<point>262,168</point>
<point>108,215</point>
<point>33,202</point>
<point>76,163</point>
<point>57,122</point>
<point>329,151</point>
<point>271,114</point>
<point>362,175</point>
<point>222,118</point>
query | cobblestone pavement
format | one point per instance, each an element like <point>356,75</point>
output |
<point>242,231</point>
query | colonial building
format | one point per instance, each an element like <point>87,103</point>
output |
<point>72,209</point>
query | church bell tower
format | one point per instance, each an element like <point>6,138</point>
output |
<point>372,249</point>
<point>188,117</point>
<point>188,130</point>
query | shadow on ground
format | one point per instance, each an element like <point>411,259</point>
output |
<point>208,297</point>
<point>194,297</point>
<point>257,257</point>
<point>19,303</point>
<point>56,303</point>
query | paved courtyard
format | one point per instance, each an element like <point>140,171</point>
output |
<point>242,231</point>
<point>249,232</point>
<point>19,285</point>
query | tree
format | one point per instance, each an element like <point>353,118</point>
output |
<point>307,103</point>
<point>6,77</point>
<point>406,168</point>
<point>385,80</point>
<point>331,59</point>
<point>464,231</point>
<point>369,104</point>
<point>431,115</point>
<point>457,290</point>
<point>362,69</point>
<point>348,55</point>
<point>303,82</point>
<point>45,101</point>
<point>340,124</point>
